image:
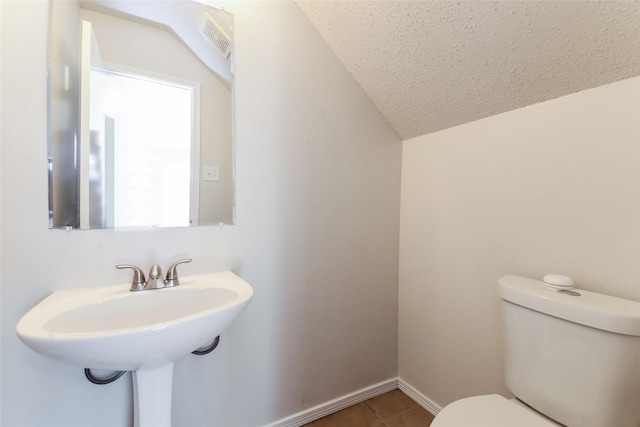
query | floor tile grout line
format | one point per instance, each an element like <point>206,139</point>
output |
<point>402,413</point>
<point>396,415</point>
<point>384,422</point>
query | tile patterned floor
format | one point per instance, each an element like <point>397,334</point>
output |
<point>391,409</point>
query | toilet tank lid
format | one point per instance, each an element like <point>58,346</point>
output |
<point>598,311</point>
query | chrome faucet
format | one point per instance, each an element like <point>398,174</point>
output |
<point>156,281</point>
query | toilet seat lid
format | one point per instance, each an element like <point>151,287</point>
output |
<point>491,410</point>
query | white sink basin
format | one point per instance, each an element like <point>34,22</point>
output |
<point>116,329</point>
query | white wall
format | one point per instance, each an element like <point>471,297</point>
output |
<point>550,188</point>
<point>318,175</point>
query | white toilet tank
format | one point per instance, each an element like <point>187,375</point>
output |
<point>574,358</point>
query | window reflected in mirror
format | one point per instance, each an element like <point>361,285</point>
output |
<point>141,172</point>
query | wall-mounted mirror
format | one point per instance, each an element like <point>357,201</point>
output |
<point>140,114</point>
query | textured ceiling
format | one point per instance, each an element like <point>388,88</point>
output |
<point>430,65</point>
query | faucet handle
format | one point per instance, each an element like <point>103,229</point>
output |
<point>139,281</point>
<point>172,273</point>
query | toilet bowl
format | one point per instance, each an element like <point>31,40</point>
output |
<point>491,410</point>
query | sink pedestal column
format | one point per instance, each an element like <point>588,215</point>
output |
<point>152,396</point>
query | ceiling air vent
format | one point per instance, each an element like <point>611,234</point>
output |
<point>216,35</point>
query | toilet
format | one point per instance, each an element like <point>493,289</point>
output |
<point>572,358</point>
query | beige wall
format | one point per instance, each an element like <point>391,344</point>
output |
<point>550,188</point>
<point>316,236</point>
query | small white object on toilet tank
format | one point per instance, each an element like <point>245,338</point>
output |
<point>558,281</point>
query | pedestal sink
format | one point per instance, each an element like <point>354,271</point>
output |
<point>113,328</point>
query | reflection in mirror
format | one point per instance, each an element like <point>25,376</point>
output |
<point>140,114</point>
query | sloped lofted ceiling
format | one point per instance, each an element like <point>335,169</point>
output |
<point>430,65</point>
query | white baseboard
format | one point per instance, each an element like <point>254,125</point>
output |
<point>420,398</point>
<point>335,405</point>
